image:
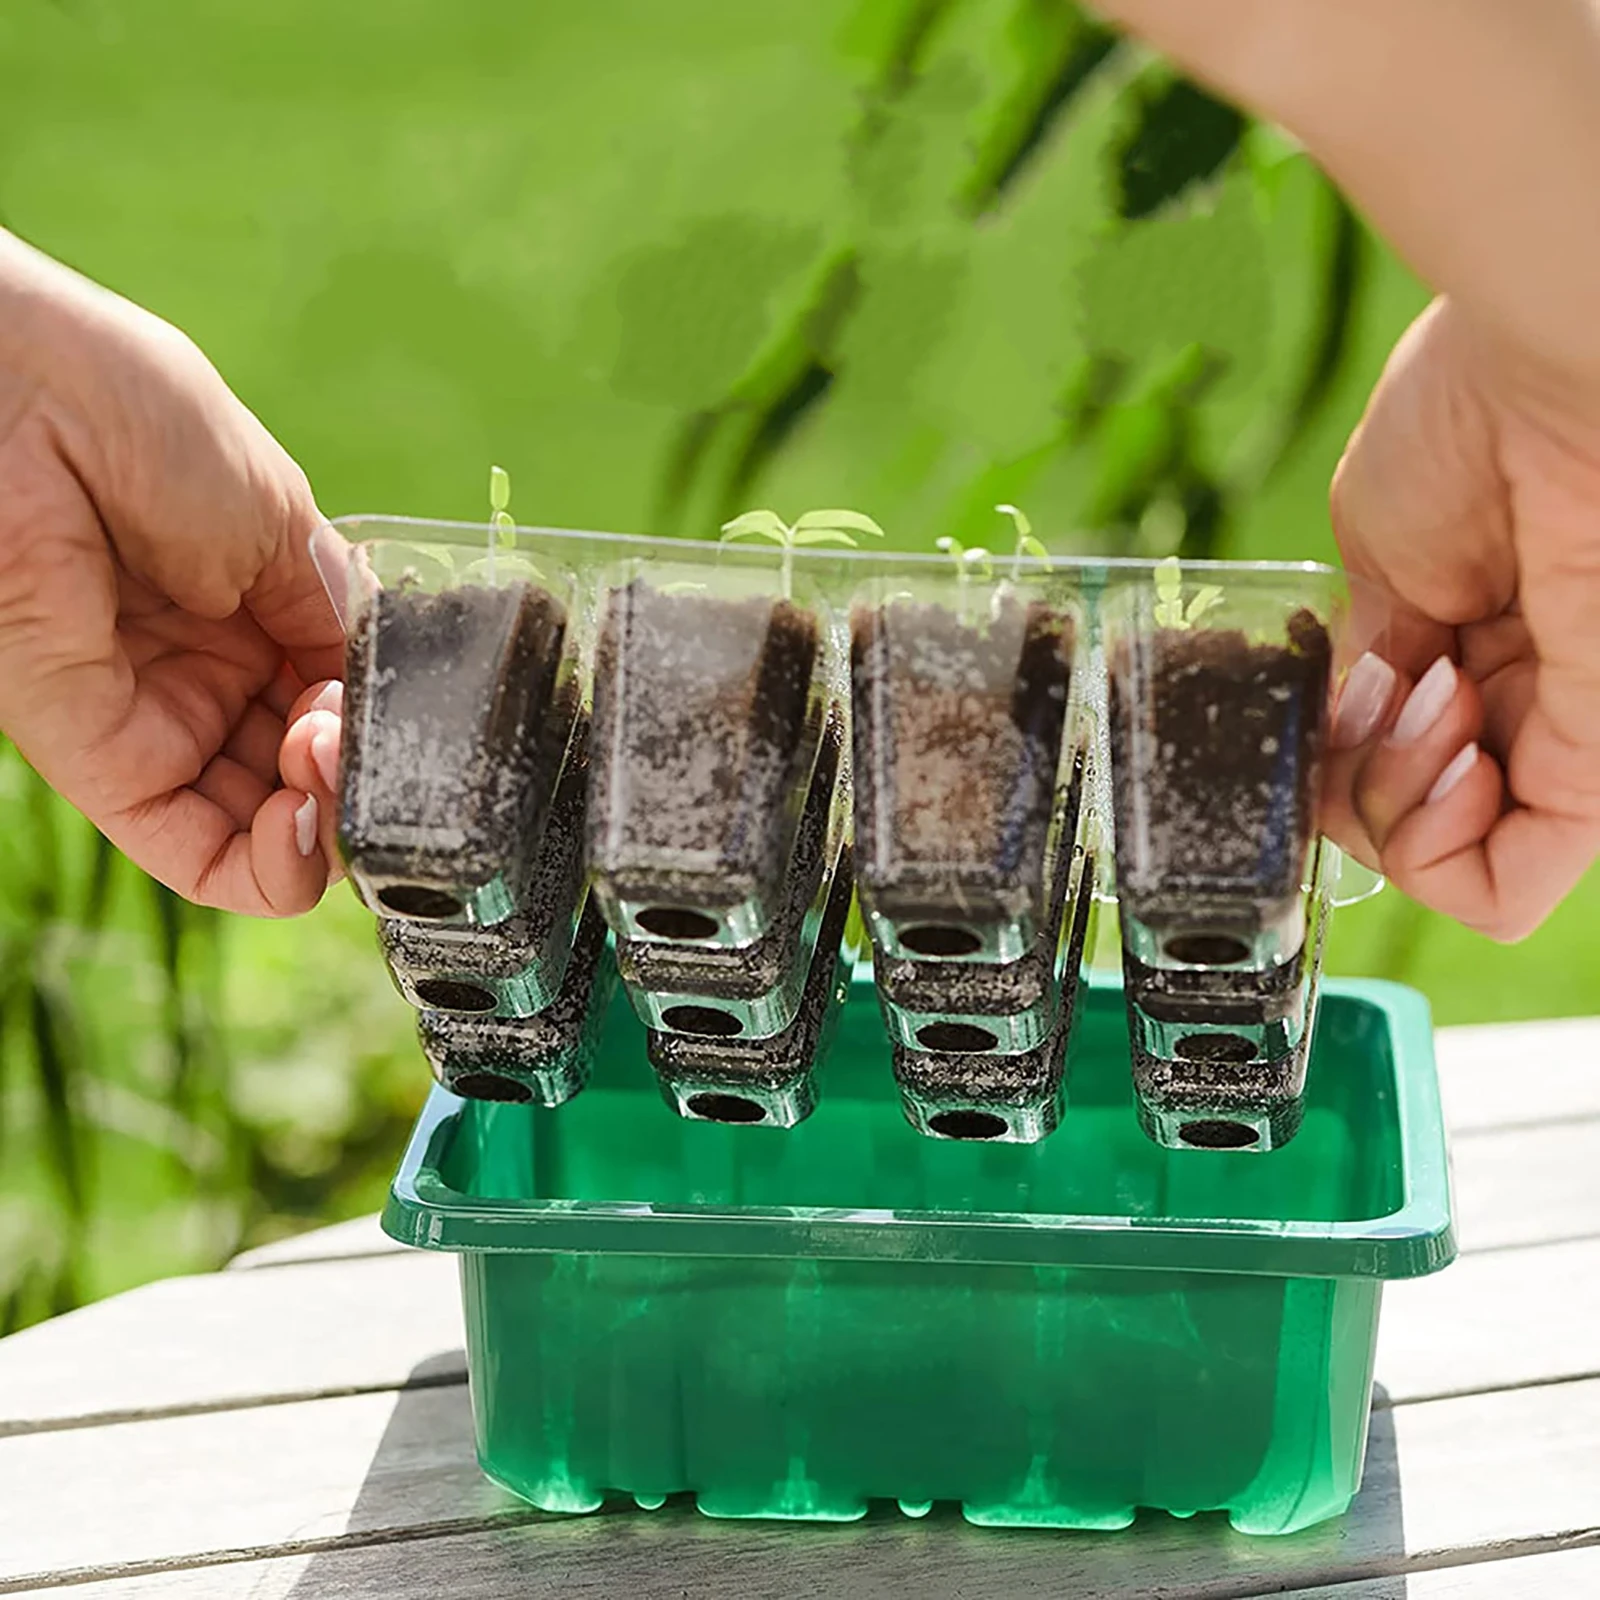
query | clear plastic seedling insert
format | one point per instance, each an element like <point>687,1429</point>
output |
<point>1219,691</point>
<point>461,690</point>
<point>957,1092</point>
<point>712,680</point>
<point>513,968</point>
<point>543,1059</point>
<point>1009,1006</point>
<point>754,991</point>
<point>772,1081</point>
<point>961,687</point>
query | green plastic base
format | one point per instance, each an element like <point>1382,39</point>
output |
<point>793,1324</point>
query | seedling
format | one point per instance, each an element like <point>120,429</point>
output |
<point>1170,609</point>
<point>973,563</point>
<point>1027,545</point>
<point>814,528</point>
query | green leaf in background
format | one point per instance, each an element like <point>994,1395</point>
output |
<point>921,255</point>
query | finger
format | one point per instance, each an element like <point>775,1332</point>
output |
<point>1368,700</point>
<point>1506,884</point>
<point>286,687</point>
<point>309,760</point>
<point>276,868</point>
<point>254,742</point>
<point>233,788</point>
<point>1425,852</point>
<point>1439,716</point>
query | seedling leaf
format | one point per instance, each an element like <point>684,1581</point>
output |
<point>499,490</point>
<point>853,521</point>
<point>823,535</point>
<point>757,525</point>
<point>1019,517</point>
<point>1203,601</point>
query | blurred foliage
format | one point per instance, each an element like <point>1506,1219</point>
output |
<point>664,262</point>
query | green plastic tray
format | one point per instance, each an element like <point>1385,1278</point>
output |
<point>795,1323</point>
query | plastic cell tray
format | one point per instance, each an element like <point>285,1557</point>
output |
<point>795,1323</point>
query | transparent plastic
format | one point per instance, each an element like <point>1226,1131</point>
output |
<point>800,1324</point>
<point>1008,1006</point>
<point>986,1094</point>
<point>755,991</point>
<point>712,682</point>
<point>543,1059</point>
<point>961,693</point>
<point>513,968</point>
<point>769,1081</point>
<point>461,691</point>
<point>1219,700</point>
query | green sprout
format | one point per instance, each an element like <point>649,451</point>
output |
<point>1027,545</point>
<point>1170,609</point>
<point>814,528</point>
<point>976,562</point>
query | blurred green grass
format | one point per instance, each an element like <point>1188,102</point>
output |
<point>663,262</point>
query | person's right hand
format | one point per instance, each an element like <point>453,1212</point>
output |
<point>163,634</point>
<point>1466,765</point>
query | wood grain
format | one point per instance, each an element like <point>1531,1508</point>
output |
<point>1488,1474</point>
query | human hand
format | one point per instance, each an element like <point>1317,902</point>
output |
<point>1466,765</point>
<point>161,625</point>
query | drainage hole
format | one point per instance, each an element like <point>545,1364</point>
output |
<point>706,1020</point>
<point>726,1108</point>
<point>967,1124</point>
<point>676,922</point>
<point>413,900</point>
<point>1207,949</point>
<point>1232,1047</point>
<point>962,1038</point>
<point>1218,1135</point>
<point>489,1086</point>
<point>937,939</point>
<point>446,994</point>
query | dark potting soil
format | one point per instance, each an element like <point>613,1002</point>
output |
<point>958,731</point>
<point>451,742</point>
<point>534,942</point>
<point>1208,1084</point>
<point>707,719</point>
<point>1027,1078</point>
<point>1216,745</point>
<point>778,1062</point>
<point>1217,996</point>
<point>759,968</point>
<point>543,1058</point>
<point>993,989</point>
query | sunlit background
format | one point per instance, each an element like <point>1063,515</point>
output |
<point>664,262</point>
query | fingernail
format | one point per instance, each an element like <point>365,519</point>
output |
<point>305,826</point>
<point>1362,701</point>
<point>1452,775</point>
<point>329,698</point>
<point>325,757</point>
<point>1426,703</point>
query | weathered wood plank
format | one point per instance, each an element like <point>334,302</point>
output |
<point>321,1327</point>
<point>1508,1316</point>
<point>1561,1575</point>
<point>1508,1073</point>
<point>1499,1320</point>
<point>1522,1186</point>
<point>791,1562</point>
<point>1494,1474</point>
<point>361,1236</point>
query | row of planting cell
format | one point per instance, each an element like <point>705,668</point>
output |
<point>708,751</point>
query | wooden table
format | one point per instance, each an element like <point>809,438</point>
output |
<point>298,1426</point>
